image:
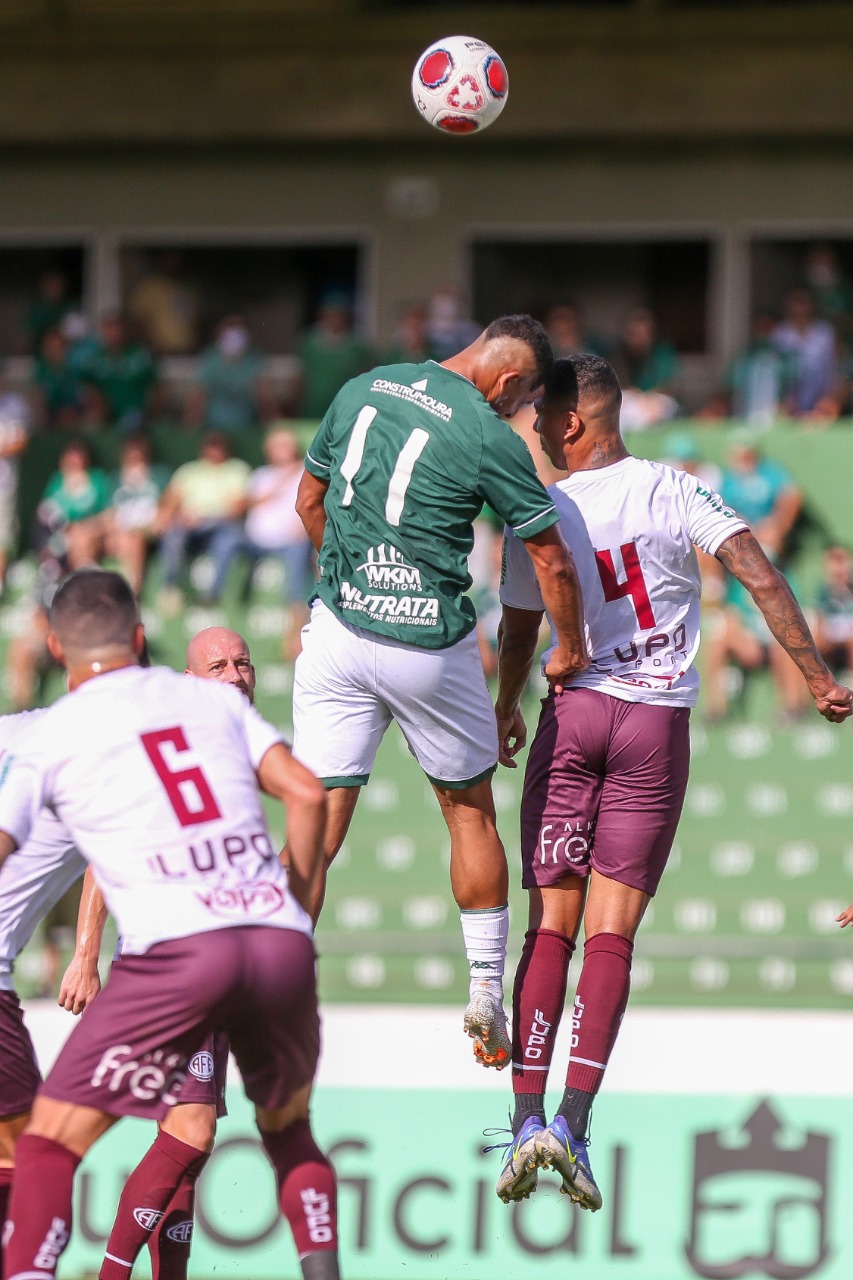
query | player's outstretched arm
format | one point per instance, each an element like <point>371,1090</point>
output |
<point>561,595</point>
<point>310,507</point>
<point>304,800</point>
<point>518,635</point>
<point>743,557</point>
<point>81,981</point>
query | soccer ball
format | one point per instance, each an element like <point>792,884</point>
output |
<point>460,85</point>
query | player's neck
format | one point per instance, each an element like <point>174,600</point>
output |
<point>593,453</point>
<point>88,668</point>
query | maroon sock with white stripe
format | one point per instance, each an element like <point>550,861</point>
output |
<point>307,1193</point>
<point>147,1195</point>
<point>538,998</point>
<point>600,1004</point>
<point>40,1207</point>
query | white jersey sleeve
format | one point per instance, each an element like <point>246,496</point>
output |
<point>21,792</point>
<point>519,584</point>
<point>260,734</point>
<point>709,521</point>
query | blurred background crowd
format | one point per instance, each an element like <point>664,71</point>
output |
<point>165,432</point>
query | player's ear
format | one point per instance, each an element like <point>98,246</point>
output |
<point>54,648</point>
<point>140,645</point>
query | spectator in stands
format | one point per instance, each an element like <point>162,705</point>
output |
<point>233,394</point>
<point>833,628</point>
<point>132,522</point>
<point>273,529</point>
<point>331,353</point>
<point>811,343</point>
<point>48,310</point>
<point>764,493</point>
<point>647,367</point>
<point>166,307</point>
<point>57,384</point>
<point>448,328</point>
<point>120,375</point>
<point>567,333</point>
<point>760,381</point>
<point>28,660</point>
<point>14,434</point>
<point>201,511</point>
<point>71,517</point>
<point>741,638</point>
<point>832,292</point>
<point>411,343</point>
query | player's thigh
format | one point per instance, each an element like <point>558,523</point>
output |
<point>643,794</point>
<point>562,786</point>
<point>11,1128</point>
<point>128,1055</point>
<point>273,1020</point>
<point>338,717</point>
<point>440,699</point>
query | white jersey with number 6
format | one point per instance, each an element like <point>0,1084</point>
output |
<point>632,528</point>
<point>154,775</point>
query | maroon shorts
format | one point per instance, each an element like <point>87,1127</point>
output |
<point>19,1073</point>
<point>128,1055</point>
<point>604,788</point>
<point>207,1069</point>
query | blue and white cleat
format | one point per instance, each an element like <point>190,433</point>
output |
<point>558,1149</point>
<point>520,1174</point>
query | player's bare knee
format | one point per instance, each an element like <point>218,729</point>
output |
<point>193,1123</point>
<point>11,1128</point>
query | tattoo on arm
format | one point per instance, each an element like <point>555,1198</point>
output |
<point>745,560</point>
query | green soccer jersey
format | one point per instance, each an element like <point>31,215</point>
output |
<point>411,452</point>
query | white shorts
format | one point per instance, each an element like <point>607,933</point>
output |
<point>349,684</point>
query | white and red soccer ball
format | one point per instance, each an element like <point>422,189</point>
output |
<point>460,85</point>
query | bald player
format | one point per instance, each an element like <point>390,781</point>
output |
<point>401,466</point>
<point>157,1204</point>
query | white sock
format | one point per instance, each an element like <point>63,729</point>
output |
<point>485,934</point>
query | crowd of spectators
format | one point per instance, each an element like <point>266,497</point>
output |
<point>112,380</point>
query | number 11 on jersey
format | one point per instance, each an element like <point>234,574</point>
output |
<point>401,475</point>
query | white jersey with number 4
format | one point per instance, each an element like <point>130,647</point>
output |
<point>154,775</point>
<point>632,528</point>
<point>36,877</point>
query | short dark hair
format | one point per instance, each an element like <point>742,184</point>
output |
<point>584,376</point>
<point>525,329</point>
<point>94,609</point>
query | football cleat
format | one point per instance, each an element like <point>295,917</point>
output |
<point>485,1023</point>
<point>558,1149</point>
<point>520,1174</point>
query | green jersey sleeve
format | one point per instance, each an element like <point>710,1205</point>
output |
<point>509,484</point>
<point>318,459</point>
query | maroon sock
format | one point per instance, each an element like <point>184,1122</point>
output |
<point>147,1195</point>
<point>538,997</point>
<point>170,1245</point>
<point>6,1176</point>
<point>40,1206</point>
<point>600,1003</point>
<point>307,1189</point>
